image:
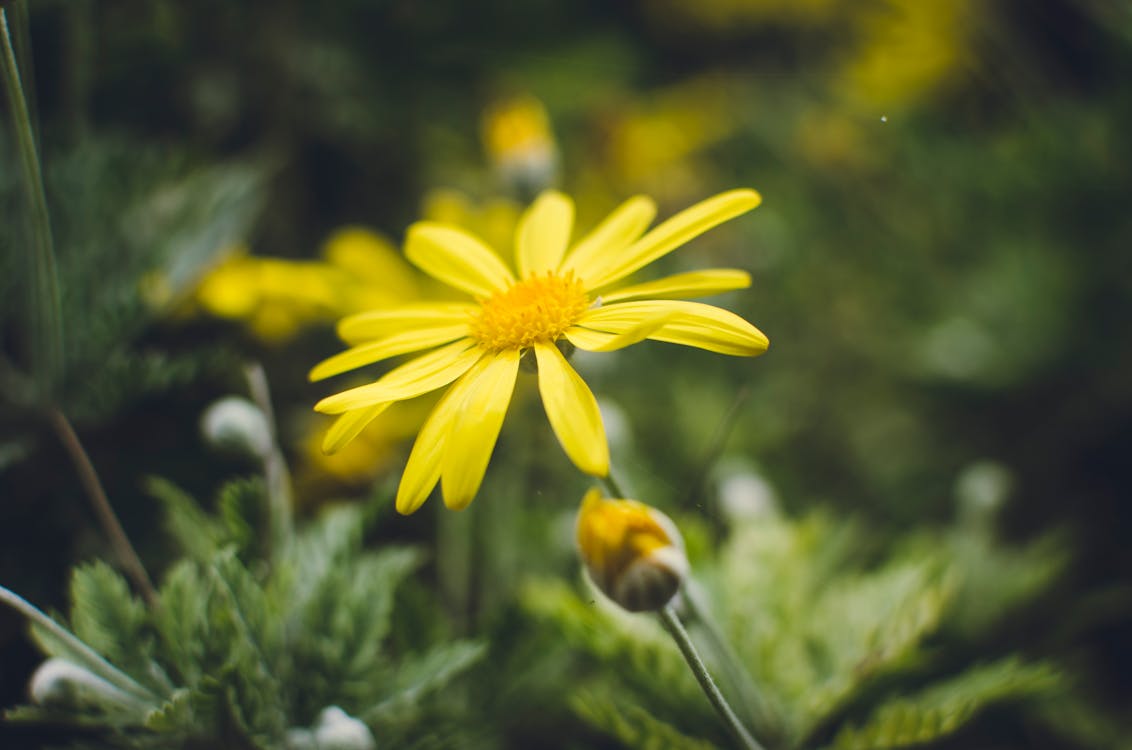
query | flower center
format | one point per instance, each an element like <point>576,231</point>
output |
<point>537,309</point>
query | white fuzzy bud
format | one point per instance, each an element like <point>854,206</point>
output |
<point>237,425</point>
<point>61,684</point>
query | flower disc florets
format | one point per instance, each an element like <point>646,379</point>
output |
<point>537,309</point>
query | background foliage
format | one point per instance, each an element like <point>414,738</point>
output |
<point>909,515</point>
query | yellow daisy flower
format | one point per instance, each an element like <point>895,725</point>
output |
<point>557,293</point>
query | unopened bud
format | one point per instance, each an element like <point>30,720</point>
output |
<point>633,553</point>
<point>237,425</point>
<point>334,730</point>
<point>60,684</point>
<point>337,730</point>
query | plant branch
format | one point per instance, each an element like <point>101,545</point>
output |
<point>675,628</point>
<point>612,487</point>
<point>275,471</point>
<point>127,556</point>
<point>83,654</point>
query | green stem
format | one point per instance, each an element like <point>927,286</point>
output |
<point>46,323</point>
<point>758,713</point>
<point>611,487</point>
<point>81,653</point>
<point>276,475</point>
<point>676,629</point>
<point>127,556</point>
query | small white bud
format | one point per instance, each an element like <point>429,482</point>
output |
<point>61,684</point>
<point>744,494</point>
<point>981,489</point>
<point>237,425</point>
<point>337,730</point>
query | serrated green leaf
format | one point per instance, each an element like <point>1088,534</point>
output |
<point>181,620</point>
<point>631,724</point>
<point>343,603</point>
<point>867,625</point>
<point>242,507</point>
<point>194,531</point>
<point>175,715</point>
<point>107,617</point>
<point>249,632</point>
<point>944,707</point>
<point>415,678</point>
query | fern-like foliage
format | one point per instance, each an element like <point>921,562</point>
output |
<point>829,644</point>
<point>133,228</point>
<point>942,708</point>
<point>240,651</point>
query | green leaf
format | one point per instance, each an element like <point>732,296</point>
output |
<point>943,708</point>
<point>194,531</point>
<point>249,637</point>
<point>107,617</point>
<point>242,506</point>
<point>631,724</point>
<point>181,619</point>
<point>416,677</point>
<point>175,715</point>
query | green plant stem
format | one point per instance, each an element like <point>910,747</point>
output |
<point>81,653</point>
<point>127,556</point>
<point>758,713</point>
<point>46,325</point>
<point>612,487</point>
<point>675,628</point>
<point>276,475</point>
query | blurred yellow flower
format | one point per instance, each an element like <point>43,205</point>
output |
<point>519,142</point>
<point>909,49</point>
<point>561,295</point>
<point>492,220</point>
<point>369,454</point>
<point>633,553</point>
<point>276,297</point>
<point>650,141</point>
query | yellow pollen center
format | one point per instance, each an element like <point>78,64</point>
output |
<point>537,309</point>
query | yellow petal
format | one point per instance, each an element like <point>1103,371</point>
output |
<point>347,427</point>
<point>691,324</point>
<point>373,259</point>
<point>421,375</point>
<point>475,428</point>
<point>609,238</point>
<point>422,471</point>
<point>683,285</point>
<point>543,233</point>
<point>375,324</point>
<point>390,346</point>
<point>572,411</point>
<point>600,341</point>
<point>457,258</point>
<point>684,226</point>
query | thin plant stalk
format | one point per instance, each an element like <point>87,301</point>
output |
<point>612,487</point>
<point>128,557</point>
<point>276,475</point>
<point>81,653</point>
<point>758,712</point>
<point>44,302</point>
<point>671,623</point>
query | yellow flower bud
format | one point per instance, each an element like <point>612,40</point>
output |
<point>633,553</point>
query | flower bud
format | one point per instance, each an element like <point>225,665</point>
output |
<point>334,730</point>
<point>237,425</point>
<point>61,684</point>
<point>632,552</point>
